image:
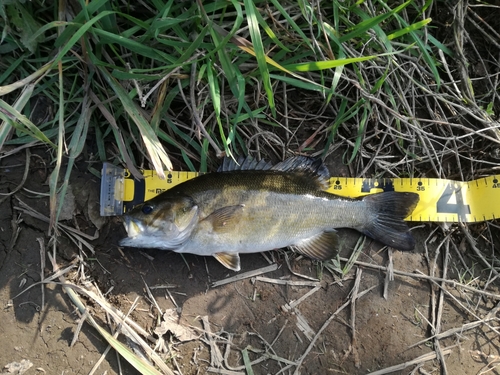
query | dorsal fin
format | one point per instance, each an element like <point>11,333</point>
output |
<point>307,166</point>
<point>242,163</point>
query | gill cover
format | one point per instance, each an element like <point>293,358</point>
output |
<point>161,223</point>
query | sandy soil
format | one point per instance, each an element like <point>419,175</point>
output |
<point>371,334</point>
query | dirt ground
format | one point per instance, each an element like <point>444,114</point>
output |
<point>372,334</point>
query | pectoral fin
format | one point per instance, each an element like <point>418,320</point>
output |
<point>229,260</point>
<point>322,246</point>
<point>224,219</point>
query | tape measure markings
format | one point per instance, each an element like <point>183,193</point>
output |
<point>440,200</point>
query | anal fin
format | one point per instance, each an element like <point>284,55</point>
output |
<point>322,246</point>
<point>229,260</point>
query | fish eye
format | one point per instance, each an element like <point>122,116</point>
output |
<point>147,209</point>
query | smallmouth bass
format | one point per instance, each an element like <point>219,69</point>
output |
<point>251,206</point>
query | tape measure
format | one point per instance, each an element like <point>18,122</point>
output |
<point>440,200</point>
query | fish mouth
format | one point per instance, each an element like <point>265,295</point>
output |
<point>132,227</point>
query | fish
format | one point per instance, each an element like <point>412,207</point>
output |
<point>251,206</point>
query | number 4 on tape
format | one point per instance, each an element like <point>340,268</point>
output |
<point>445,202</point>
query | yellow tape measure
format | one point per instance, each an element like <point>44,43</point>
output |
<point>440,200</point>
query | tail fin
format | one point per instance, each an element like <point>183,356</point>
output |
<point>387,212</point>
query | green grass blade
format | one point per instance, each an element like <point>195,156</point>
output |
<point>253,26</point>
<point>247,362</point>
<point>204,156</point>
<point>334,127</point>
<point>214,90</point>
<point>12,116</point>
<point>292,23</point>
<point>4,90</point>
<point>329,64</point>
<point>75,147</point>
<point>8,124</point>
<point>270,32</point>
<point>420,43</point>
<point>246,46</point>
<point>361,28</point>
<point>11,68</point>
<point>361,129</point>
<point>54,176</point>
<point>409,29</point>
<point>188,162</point>
<point>441,46</point>
<point>132,45</point>
<point>299,83</point>
<point>156,152</point>
<point>81,30</point>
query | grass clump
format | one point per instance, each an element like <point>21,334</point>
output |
<point>186,74</point>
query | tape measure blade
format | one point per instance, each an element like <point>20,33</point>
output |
<point>112,190</point>
<point>138,191</point>
<point>440,200</point>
